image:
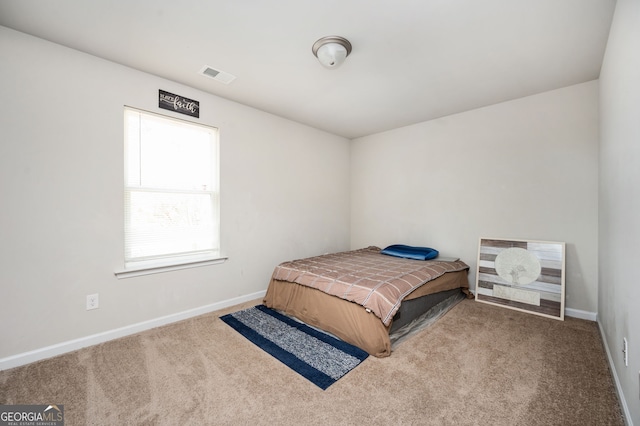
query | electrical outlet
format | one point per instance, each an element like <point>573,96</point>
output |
<point>93,302</point>
<point>625,351</point>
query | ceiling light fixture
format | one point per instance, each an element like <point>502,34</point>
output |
<point>331,51</point>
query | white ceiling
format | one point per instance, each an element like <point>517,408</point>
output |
<point>412,60</point>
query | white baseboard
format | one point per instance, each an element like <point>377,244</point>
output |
<point>72,345</point>
<point>623,402</point>
<point>577,313</point>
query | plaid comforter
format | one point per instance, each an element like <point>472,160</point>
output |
<point>376,281</point>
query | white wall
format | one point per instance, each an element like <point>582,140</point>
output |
<point>525,169</point>
<point>619,290</point>
<point>61,195</point>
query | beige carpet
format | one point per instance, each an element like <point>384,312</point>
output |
<point>478,365</point>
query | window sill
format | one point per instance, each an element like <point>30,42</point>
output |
<point>156,268</point>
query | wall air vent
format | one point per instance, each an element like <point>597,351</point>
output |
<point>221,76</point>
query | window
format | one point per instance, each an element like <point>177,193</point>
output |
<point>171,191</point>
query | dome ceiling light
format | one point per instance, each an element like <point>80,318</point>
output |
<point>331,51</point>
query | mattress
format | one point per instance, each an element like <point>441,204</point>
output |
<point>351,321</point>
<point>367,277</point>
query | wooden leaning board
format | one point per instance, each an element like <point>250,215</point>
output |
<point>524,275</point>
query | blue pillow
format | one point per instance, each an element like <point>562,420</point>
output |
<point>409,252</point>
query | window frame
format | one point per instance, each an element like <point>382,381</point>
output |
<point>171,261</point>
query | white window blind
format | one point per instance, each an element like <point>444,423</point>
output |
<point>171,189</point>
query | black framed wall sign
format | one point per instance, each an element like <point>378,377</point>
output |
<point>178,103</point>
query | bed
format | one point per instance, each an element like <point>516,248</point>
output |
<point>358,295</point>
